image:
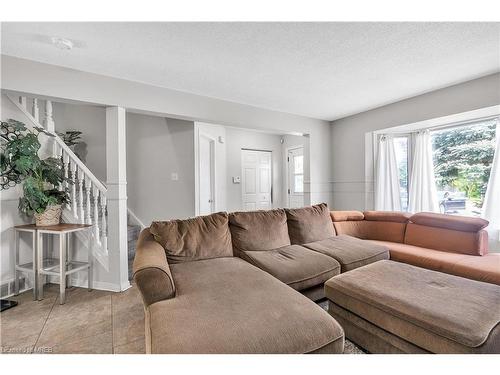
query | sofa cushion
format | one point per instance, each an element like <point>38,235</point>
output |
<point>387,216</point>
<point>372,230</point>
<point>309,224</point>
<point>296,266</point>
<point>202,237</point>
<point>438,312</point>
<point>258,230</point>
<point>438,238</point>
<point>459,223</point>
<point>482,268</point>
<point>349,251</point>
<point>346,215</point>
<point>237,309</point>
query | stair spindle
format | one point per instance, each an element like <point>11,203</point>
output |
<point>49,120</point>
<point>96,215</point>
<point>23,102</point>
<point>74,203</point>
<point>65,158</point>
<point>59,156</point>
<point>80,196</point>
<point>35,111</point>
<point>104,228</point>
<point>88,189</point>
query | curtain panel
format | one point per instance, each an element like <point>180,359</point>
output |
<point>491,205</point>
<point>387,193</point>
<point>423,192</point>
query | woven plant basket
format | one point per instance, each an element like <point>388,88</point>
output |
<point>51,216</point>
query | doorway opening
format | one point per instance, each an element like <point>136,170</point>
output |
<point>295,177</point>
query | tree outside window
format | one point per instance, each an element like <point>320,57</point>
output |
<point>463,156</point>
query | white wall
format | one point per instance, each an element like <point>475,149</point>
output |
<point>40,79</point>
<point>91,120</point>
<point>351,137</point>
<point>156,148</point>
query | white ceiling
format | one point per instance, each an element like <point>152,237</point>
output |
<point>319,70</point>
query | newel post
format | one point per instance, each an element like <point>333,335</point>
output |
<point>116,163</point>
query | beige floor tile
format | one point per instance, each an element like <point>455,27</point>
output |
<point>128,317</point>
<point>57,333</point>
<point>20,326</point>
<point>99,344</point>
<point>128,326</point>
<point>134,347</point>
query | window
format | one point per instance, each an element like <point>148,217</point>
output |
<point>298,173</point>
<point>463,156</point>
<point>401,145</point>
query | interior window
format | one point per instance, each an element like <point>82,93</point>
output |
<point>298,173</point>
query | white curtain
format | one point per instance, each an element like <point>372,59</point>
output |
<point>423,192</point>
<point>387,195</point>
<point>491,205</point>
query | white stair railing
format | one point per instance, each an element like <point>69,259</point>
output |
<point>87,193</point>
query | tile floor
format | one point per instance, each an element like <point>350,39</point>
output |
<point>89,322</point>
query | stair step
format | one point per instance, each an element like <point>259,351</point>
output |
<point>132,236</point>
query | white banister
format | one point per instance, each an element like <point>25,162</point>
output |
<point>87,193</point>
<point>71,155</point>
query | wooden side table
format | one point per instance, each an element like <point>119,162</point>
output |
<point>62,267</point>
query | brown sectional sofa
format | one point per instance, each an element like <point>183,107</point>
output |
<point>451,244</point>
<point>229,283</point>
<point>199,298</point>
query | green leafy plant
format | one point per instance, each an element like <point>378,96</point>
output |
<point>20,163</point>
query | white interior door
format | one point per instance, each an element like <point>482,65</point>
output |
<point>256,180</point>
<point>295,160</point>
<point>207,175</point>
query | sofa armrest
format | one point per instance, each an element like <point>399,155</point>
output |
<point>151,270</point>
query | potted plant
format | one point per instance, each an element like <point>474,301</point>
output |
<point>73,139</point>
<point>40,178</point>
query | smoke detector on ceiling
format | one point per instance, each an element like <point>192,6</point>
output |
<point>62,43</point>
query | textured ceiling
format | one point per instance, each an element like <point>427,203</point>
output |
<point>319,70</point>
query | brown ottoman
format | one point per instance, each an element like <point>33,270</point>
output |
<point>350,252</point>
<point>391,307</point>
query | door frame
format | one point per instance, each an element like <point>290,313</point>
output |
<point>213,152</point>
<point>241,172</point>
<point>287,169</point>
